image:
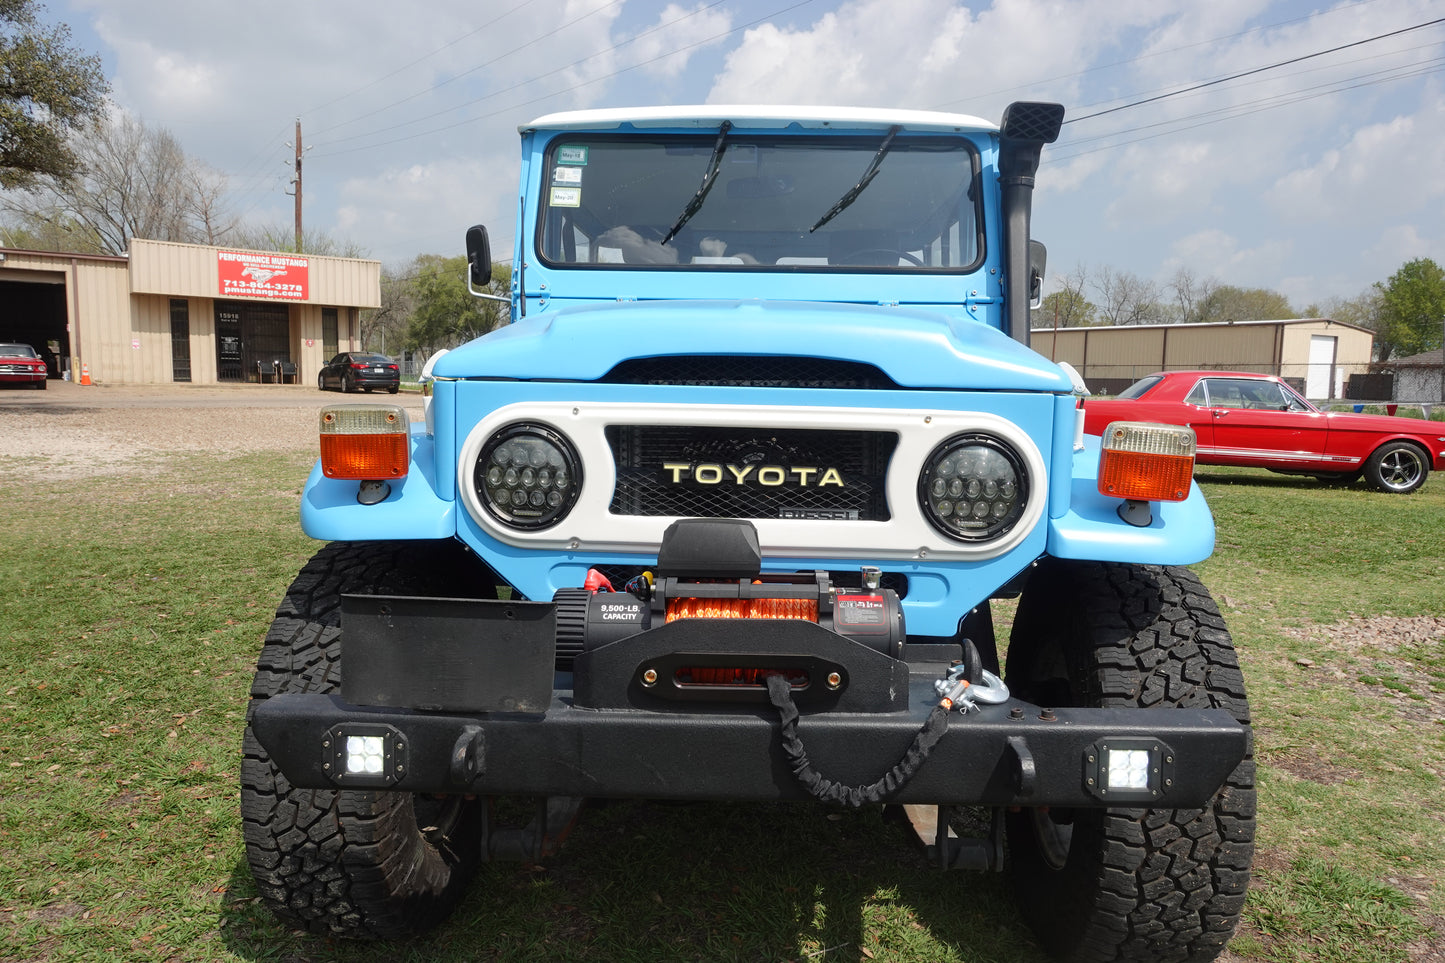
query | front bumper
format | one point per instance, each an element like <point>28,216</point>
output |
<point>525,728</point>
<point>1003,755</point>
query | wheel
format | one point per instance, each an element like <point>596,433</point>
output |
<point>39,385</point>
<point>348,384</point>
<point>353,863</point>
<point>1396,466</point>
<point>320,381</point>
<point>852,257</point>
<point>1130,884</point>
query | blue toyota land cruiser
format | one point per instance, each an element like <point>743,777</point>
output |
<point>722,513</point>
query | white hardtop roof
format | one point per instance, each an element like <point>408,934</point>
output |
<point>709,116</point>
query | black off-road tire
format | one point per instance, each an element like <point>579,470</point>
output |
<point>352,863</point>
<point>1156,885</point>
<point>1397,467</point>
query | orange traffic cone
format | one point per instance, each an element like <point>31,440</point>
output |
<point>85,374</point>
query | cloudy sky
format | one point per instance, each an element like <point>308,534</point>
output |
<point>1314,173</point>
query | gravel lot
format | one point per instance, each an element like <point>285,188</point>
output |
<point>70,431</point>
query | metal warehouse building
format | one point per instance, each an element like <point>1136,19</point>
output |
<point>1316,355</point>
<point>185,312</point>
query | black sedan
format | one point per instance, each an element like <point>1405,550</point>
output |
<point>360,370</point>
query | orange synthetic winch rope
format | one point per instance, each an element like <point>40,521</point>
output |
<point>803,609</point>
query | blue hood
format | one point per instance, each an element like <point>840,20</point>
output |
<point>916,348</point>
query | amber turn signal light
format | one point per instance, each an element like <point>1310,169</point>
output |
<point>1146,462</point>
<point>365,442</point>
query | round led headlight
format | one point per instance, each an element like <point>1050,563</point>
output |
<point>528,476</point>
<point>973,487</point>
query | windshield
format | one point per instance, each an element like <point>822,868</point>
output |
<point>17,351</point>
<point>774,205</point>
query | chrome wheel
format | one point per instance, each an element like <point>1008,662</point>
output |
<point>1397,467</point>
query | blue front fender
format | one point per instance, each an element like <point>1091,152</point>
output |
<point>1181,533</point>
<point>330,511</point>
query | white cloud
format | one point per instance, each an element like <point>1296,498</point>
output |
<point>427,207</point>
<point>930,53</point>
<point>1218,254</point>
<point>677,29</point>
<point>412,110</point>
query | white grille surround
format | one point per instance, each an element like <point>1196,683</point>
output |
<point>591,527</point>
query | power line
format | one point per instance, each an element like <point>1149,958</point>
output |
<point>566,90</point>
<point>372,83</point>
<point>1256,70</point>
<point>1238,111</point>
<point>531,80</point>
<point>1151,56</point>
<point>466,73</point>
<point>1413,67</point>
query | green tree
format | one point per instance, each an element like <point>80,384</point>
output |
<point>1412,308</point>
<point>1065,309</point>
<point>133,180</point>
<point>446,314</point>
<point>1229,303</point>
<point>48,90</point>
<point>282,237</point>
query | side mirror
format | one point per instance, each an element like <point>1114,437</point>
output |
<point>1038,257</point>
<point>479,256</point>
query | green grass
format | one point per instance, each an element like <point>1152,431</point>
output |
<point>134,606</point>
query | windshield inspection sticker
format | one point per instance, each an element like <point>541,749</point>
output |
<point>567,175</point>
<point>566,197</point>
<point>572,155</point>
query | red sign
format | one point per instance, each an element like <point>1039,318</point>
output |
<point>245,274</point>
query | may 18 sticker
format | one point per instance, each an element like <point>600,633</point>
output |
<point>566,197</point>
<point>572,155</point>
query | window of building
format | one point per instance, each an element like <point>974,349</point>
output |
<point>180,339</point>
<point>328,332</point>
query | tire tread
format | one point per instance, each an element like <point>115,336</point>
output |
<point>1164,885</point>
<point>346,863</point>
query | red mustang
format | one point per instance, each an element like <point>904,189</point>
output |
<point>19,364</point>
<point>1258,421</point>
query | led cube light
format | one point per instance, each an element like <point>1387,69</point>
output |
<point>1129,770</point>
<point>364,755</point>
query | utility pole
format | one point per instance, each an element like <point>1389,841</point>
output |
<point>297,182</point>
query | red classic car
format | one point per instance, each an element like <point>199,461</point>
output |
<point>20,365</point>
<point>1259,421</point>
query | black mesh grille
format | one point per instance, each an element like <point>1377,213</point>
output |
<point>1028,120</point>
<point>708,472</point>
<point>748,372</point>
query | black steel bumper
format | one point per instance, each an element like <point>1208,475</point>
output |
<point>463,696</point>
<point>1008,754</point>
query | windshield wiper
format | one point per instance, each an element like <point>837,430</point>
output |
<point>863,181</point>
<point>713,165</point>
